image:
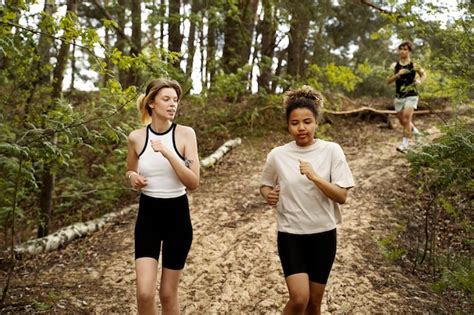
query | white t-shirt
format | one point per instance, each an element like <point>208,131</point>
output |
<point>302,207</point>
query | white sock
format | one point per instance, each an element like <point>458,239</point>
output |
<point>405,141</point>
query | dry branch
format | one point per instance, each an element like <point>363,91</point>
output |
<point>379,111</point>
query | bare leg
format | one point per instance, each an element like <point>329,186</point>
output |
<point>146,269</point>
<point>316,298</point>
<point>407,118</point>
<point>298,287</point>
<point>169,291</point>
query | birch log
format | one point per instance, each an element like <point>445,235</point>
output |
<point>219,153</point>
<point>69,233</point>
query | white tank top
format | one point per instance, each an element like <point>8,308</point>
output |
<point>161,177</point>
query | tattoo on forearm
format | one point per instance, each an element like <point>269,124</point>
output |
<point>188,163</point>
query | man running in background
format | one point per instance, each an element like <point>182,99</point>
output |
<point>406,98</point>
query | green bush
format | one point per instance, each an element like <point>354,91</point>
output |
<point>443,172</point>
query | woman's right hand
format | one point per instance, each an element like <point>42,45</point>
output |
<point>273,196</point>
<point>137,181</point>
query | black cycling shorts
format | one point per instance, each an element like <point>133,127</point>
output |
<point>164,223</point>
<point>312,254</point>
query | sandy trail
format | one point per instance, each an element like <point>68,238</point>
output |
<point>233,266</point>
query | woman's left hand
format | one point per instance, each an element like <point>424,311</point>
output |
<point>307,170</point>
<point>158,146</point>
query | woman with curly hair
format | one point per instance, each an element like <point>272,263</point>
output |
<point>306,179</point>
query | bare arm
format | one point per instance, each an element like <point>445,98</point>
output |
<point>332,191</point>
<point>135,180</point>
<point>421,73</point>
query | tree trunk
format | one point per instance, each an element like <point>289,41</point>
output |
<point>43,78</point>
<point>298,30</point>
<point>211,46</point>
<point>121,43</point>
<point>43,50</point>
<point>201,49</point>
<point>268,46</point>
<point>239,28</point>
<point>281,56</point>
<point>162,24</point>
<point>175,36</point>
<point>62,58</point>
<point>10,5</point>
<point>195,8</point>
<point>153,24</point>
<point>136,49</point>
<point>107,44</point>
<point>48,177</point>
<point>73,67</point>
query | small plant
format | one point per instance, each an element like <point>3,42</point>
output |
<point>389,245</point>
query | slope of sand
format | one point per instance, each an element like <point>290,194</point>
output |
<point>233,266</point>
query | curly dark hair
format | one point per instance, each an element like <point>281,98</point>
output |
<point>303,97</point>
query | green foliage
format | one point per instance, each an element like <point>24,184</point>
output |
<point>445,168</point>
<point>389,245</point>
<point>231,86</point>
<point>333,78</point>
<point>443,171</point>
<point>460,277</point>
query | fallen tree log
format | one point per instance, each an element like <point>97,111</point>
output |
<point>67,234</point>
<point>220,152</point>
<point>378,111</point>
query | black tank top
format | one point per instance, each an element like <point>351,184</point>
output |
<point>405,83</point>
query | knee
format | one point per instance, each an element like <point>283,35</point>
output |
<point>145,297</point>
<point>403,120</point>
<point>168,298</point>
<point>299,301</point>
<point>315,306</point>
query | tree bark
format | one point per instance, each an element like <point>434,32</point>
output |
<point>239,28</point>
<point>48,177</point>
<point>211,46</point>
<point>136,49</point>
<point>220,152</point>
<point>268,46</point>
<point>195,8</point>
<point>298,31</point>
<point>162,24</point>
<point>175,36</point>
<point>62,58</point>
<point>121,42</point>
<point>44,78</point>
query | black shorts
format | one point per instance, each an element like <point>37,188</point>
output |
<point>164,221</point>
<point>312,254</point>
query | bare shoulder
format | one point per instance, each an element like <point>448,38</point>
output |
<point>137,135</point>
<point>185,131</point>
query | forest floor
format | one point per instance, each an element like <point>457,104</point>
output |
<point>233,265</point>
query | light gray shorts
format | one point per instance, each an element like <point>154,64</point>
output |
<point>405,102</point>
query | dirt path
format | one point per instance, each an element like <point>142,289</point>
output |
<point>233,265</point>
